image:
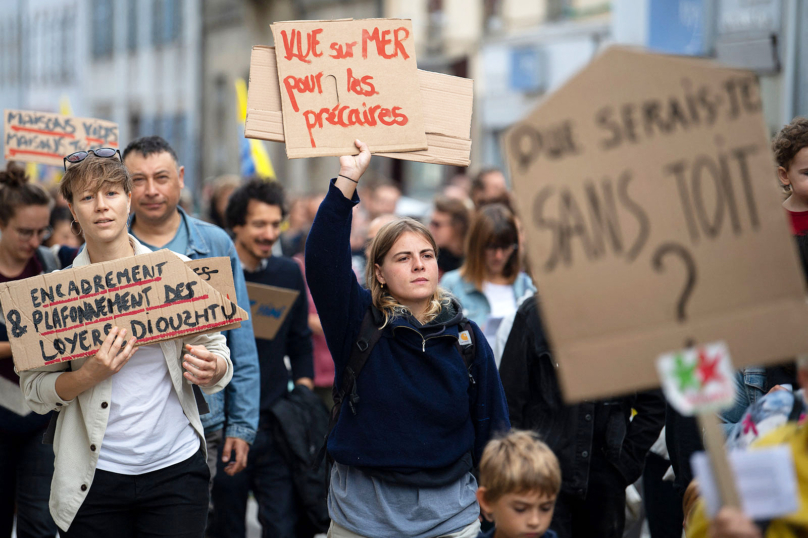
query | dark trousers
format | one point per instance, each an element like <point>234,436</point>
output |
<point>167,502</point>
<point>663,505</point>
<point>602,514</point>
<point>26,471</point>
<point>269,477</point>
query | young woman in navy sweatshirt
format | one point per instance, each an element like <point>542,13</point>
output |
<point>403,460</point>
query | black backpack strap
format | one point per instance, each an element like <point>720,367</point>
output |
<point>369,335</point>
<point>466,347</point>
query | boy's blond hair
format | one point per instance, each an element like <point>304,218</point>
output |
<point>518,463</point>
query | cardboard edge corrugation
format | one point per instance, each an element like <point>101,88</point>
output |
<point>447,106</point>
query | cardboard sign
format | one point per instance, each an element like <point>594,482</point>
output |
<point>269,306</point>
<point>653,217</point>
<point>65,315</point>
<point>698,379</point>
<point>217,273</point>
<point>48,138</point>
<point>343,80</point>
<point>447,104</point>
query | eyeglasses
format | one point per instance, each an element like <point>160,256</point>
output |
<point>506,249</point>
<point>75,158</point>
<point>42,234</point>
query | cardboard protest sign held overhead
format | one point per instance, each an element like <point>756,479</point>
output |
<point>343,80</point>
<point>47,138</point>
<point>66,315</point>
<point>269,306</point>
<point>653,217</point>
<point>447,104</point>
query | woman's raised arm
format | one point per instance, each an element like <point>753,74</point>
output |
<point>351,168</point>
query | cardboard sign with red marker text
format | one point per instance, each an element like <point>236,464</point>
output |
<point>46,138</point>
<point>348,79</point>
<point>65,315</point>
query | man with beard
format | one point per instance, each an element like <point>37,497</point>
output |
<point>159,222</point>
<point>255,213</point>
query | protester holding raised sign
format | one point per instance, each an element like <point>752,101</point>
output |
<point>129,445</point>
<point>26,465</point>
<point>413,421</point>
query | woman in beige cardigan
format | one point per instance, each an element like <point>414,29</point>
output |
<point>129,445</point>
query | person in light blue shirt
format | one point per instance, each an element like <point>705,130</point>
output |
<point>159,222</point>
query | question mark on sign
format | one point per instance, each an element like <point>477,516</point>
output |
<point>680,251</point>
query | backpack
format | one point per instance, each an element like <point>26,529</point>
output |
<point>369,334</point>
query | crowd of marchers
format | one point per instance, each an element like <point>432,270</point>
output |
<point>411,390</point>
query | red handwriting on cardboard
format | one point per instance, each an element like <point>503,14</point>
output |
<point>307,84</point>
<point>296,42</point>
<point>345,116</point>
<point>341,52</point>
<point>382,41</point>
<point>360,86</point>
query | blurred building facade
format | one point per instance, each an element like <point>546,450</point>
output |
<point>169,67</point>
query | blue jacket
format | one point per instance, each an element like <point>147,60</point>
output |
<point>475,304</point>
<point>236,407</point>
<point>417,411</point>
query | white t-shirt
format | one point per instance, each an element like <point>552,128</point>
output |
<point>502,302</point>
<point>147,429</point>
<point>500,299</point>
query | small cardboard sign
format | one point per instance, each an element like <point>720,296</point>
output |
<point>66,315</point>
<point>698,379</point>
<point>46,138</point>
<point>217,273</point>
<point>653,217</point>
<point>348,79</point>
<point>269,306</point>
<point>447,103</point>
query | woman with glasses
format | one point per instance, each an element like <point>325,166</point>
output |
<point>26,465</point>
<point>490,282</point>
<point>129,444</point>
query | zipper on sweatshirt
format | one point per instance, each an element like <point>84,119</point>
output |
<point>423,339</point>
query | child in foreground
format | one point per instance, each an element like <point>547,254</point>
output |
<point>519,481</point>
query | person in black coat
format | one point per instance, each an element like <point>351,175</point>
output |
<point>601,450</point>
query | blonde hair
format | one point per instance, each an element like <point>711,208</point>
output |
<point>518,463</point>
<point>379,247</point>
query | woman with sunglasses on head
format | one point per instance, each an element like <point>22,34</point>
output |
<point>129,444</point>
<point>428,397</point>
<point>26,465</point>
<point>490,283</point>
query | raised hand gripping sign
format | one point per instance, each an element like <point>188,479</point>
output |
<point>343,80</point>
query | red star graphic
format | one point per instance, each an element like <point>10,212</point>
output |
<point>708,368</point>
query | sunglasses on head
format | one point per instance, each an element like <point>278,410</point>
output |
<point>75,158</point>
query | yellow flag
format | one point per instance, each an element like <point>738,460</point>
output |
<point>257,151</point>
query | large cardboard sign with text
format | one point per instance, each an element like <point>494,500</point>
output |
<point>47,138</point>
<point>343,80</point>
<point>269,306</point>
<point>65,315</point>
<point>653,219</point>
<point>447,104</point>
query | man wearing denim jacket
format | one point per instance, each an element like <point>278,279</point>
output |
<point>158,222</point>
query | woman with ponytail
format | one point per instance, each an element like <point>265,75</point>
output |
<point>26,465</point>
<point>428,397</point>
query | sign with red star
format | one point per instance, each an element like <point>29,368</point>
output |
<point>698,379</point>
